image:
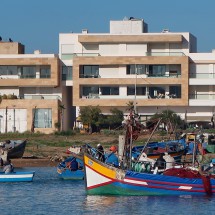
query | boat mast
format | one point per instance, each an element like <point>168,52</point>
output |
<point>135,91</point>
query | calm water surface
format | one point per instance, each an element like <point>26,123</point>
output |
<point>48,194</point>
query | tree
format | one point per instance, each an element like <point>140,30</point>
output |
<point>169,118</point>
<point>91,116</point>
<point>33,119</point>
<point>130,105</point>
<point>61,110</point>
<point>116,118</point>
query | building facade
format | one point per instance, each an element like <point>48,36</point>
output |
<point>156,71</point>
<point>30,90</point>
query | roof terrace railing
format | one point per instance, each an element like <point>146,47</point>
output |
<point>165,54</point>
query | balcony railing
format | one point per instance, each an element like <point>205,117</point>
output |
<point>72,55</point>
<point>202,75</point>
<point>164,76</point>
<point>165,54</point>
<point>202,96</point>
<point>86,54</point>
<point>89,76</point>
<point>45,97</point>
<point>97,96</point>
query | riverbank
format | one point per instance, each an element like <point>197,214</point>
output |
<point>49,150</point>
<point>34,162</point>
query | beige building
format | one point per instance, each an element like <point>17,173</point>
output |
<point>29,90</point>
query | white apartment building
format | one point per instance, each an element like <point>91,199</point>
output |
<point>157,71</point>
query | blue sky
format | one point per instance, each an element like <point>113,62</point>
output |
<point>37,24</point>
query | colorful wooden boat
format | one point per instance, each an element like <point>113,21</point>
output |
<point>17,177</point>
<point>127,179</point>
<point>103,179</point>
<point>65,172</point>
<point>175,148</point>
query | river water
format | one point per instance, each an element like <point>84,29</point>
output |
<point>48,194</point>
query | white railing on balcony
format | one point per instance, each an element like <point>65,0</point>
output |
<point>202,75</point>
<point>46,97</point>
<point>131,97</point>
<point>165,54</point>
<point>202,96</point>
<point>71,56</point>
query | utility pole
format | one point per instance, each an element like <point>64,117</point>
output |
<point>1,117</point>
<point>6,120</point>
<point>14,119</point>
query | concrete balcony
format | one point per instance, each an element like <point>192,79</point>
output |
<point>202,99</point>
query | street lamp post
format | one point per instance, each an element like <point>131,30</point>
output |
<point>0,122</point>
<point>14,119</point>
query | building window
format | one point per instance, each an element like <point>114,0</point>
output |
<point>27,71</point>
<point>8,70</point>
<point>91,71</point>
<point>66,73</point>
<point>157,70</point>
<point>157,92</point>
<point>140,91</point>
<point>89,91</point>
<point>175,91</point>
<point>136,69</point>
<point>43,118</point>
<point>109,90</point>
<point>45,72</point>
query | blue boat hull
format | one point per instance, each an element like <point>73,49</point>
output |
<point>71,175</point>
<point>65,172</point>
<point>17,177</point>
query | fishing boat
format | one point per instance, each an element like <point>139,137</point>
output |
<point>65,171</point>
<point>175,148</point>
<point>103,179</point>
<point>126,179</point>
<point>14,148</point>
<point>17,177</point>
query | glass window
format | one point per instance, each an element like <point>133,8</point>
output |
<point>8,70</point>
<point>66,73</point>
<point>27,71</point>
<point>45,72</point>
<point>155,92</point>
<point>139,91</point>
<point>109,90</point>
<point>91,71</point>
<point>90,90</point>
<point>43,118</point>
<point>136,69</point>
<point>157,70</point>
<point>175,91</point>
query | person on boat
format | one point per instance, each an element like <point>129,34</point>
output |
<point>112,158</point>
<point>7,166</point>
<point>73,165</point>
<point>160,162</point>
<point>100,152</point>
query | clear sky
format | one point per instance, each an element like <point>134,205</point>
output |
<point>37,24</point>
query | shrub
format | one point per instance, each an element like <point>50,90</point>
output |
<point>65,133</point>
<point>4,96</point>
